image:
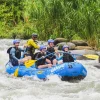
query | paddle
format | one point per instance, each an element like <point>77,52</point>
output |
<point>16,71</point>
<point>89,56</point>
<point>29,63</point>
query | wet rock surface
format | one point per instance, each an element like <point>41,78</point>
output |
<point>79,42</point>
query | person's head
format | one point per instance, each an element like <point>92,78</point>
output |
<point>16,43</point>
<point>51,42</point>
<point>65,48</point>
<point>43,48</point>
<point>34,36</point>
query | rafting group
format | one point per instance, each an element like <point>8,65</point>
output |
<point>46,57</point>
<point>47,61</point>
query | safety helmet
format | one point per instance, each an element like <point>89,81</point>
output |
<point>42,47</point>
<point>34,35</point>
<point>50,41</point>
<point>65,46</point>
<point>16,41</point>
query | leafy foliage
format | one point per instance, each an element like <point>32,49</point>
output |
<point>51,19</point>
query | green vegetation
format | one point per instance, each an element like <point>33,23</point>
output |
<point>51,19</point>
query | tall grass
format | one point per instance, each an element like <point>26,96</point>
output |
<point>51,19</point>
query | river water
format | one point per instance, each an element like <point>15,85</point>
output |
<point>12,88</point>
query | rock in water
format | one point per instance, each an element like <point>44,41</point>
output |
<point>97,65</point>
<point>59,40</point>
<point>83,47</point>
<point>79,42</point>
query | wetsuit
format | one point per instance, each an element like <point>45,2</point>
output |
<point>52,56</point>
<point>15,55</point>
<point>42,61</point>
<point>31,46</point>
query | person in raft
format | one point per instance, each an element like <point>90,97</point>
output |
<point>51,50</point>
<point>32,45</point>
<point>66,57</point>
<point>42,62</point>
<point>15,54</point>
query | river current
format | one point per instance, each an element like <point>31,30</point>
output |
<point>27,88</point>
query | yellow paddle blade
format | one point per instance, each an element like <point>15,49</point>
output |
<point>16,72</point>
<point>90,56</point>
<point>29,63</point>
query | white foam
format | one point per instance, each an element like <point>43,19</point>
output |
<point>29,88</point>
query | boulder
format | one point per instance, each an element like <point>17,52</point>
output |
<point>79,42</point>
<point>60,45</point>
<point>59,40</point>
<point>97,65</point>
<point>83,47</point>
<point>71,45</point>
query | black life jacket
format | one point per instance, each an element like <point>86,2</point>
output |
<point>17,52</point>
<point>50,50</point>
<point>67,57</point>
<point>41,61</point>
<point>8,51</point>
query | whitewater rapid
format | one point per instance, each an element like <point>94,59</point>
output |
<point>12,88</point>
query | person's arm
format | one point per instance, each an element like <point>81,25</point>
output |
<point>12,52</point>
<point>60,58</point>
<point>23,52</point>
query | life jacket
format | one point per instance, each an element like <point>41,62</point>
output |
<point>51,50</point>
<point>8,51</point>
<point>30,49</point>
<point>42,60</point>
<point>17,52</point>
<point>67,57</point>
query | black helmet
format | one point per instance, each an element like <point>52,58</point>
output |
<point>34,35</point>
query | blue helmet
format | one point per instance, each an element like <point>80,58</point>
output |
<point>16,41</point>
<point>34,35</point>
<point>42,47</point>
<point>65,46</point>
<point>50,41</point>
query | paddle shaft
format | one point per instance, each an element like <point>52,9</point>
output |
<point>45,56</point>
<point>16,71</point>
